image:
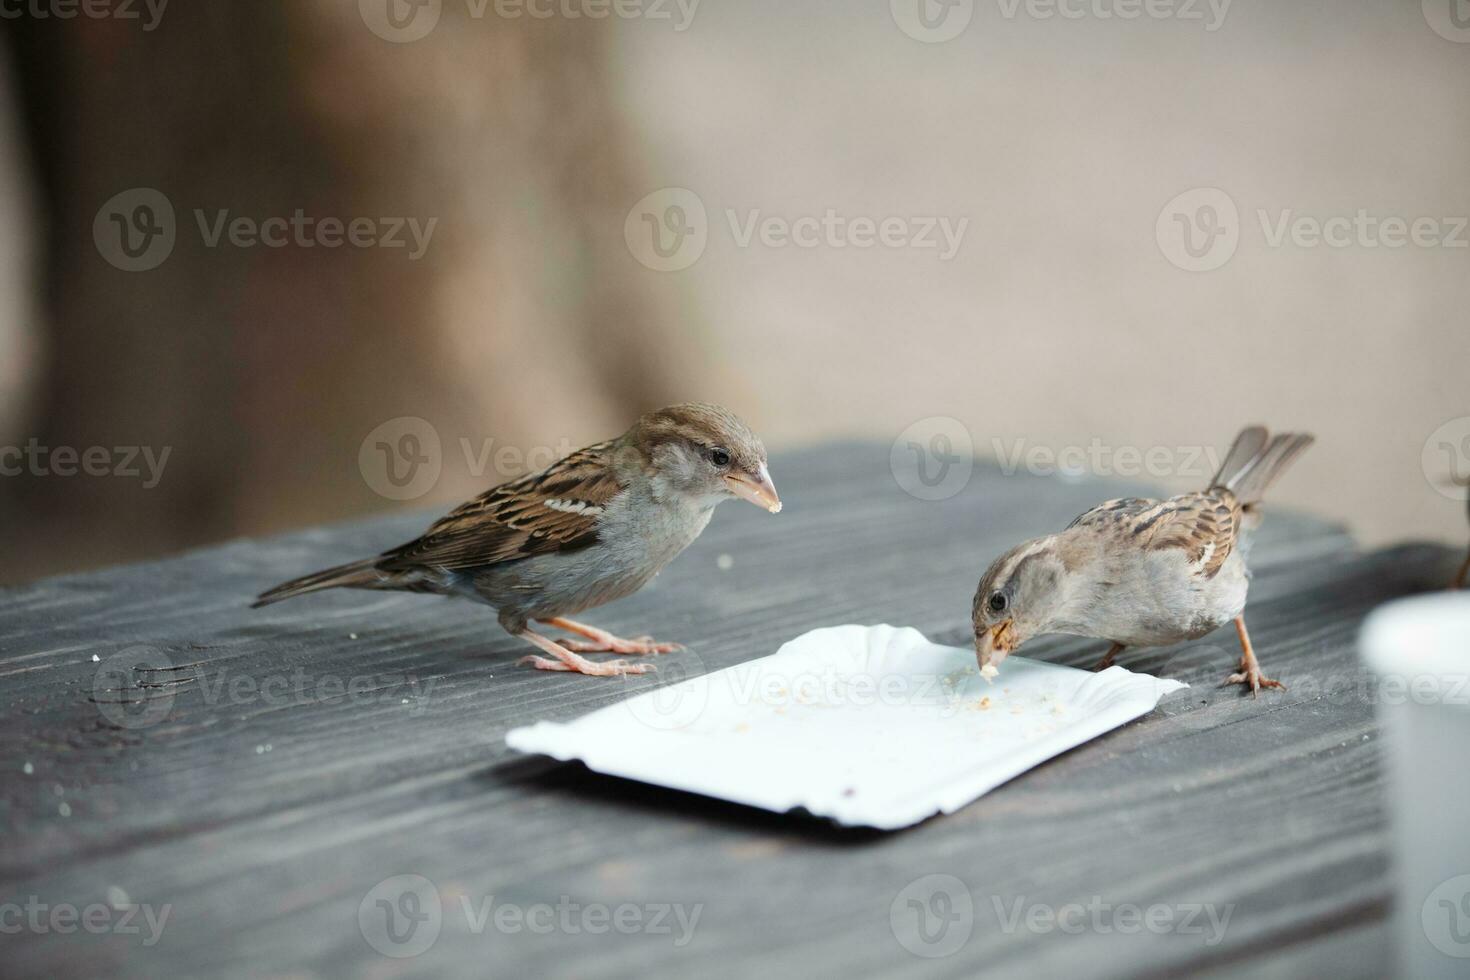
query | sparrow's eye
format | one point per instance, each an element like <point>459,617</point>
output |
<point>720,457</point>
<point>998,602</point>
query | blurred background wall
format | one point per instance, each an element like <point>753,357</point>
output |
<point>1079,227</point>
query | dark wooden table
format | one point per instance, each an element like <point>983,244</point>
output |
<point>305,753</point>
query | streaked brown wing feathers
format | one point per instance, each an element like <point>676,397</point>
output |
<point>1204,525</point>
<point>553,510</point>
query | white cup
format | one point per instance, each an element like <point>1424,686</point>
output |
<point>1419,649</point>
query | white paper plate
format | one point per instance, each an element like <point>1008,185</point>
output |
<point>869,725</point>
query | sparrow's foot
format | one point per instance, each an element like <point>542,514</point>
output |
<point>566,660</point>
<point>601,641</point>
<point>1107,660</point>
<point>613,668</point>
<point>1249,672</point>
<point>1252,677</point>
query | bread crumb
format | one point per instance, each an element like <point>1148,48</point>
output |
<point>989,672</point>
<point>985,704</point>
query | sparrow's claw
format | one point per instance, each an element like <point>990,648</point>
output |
<point>1254,679</point>
<point>601,641</point>
<point>1249,671</point>
<point>612,668</point>
<point>567,660</point>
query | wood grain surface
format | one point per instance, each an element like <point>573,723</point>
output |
<point>299,755</point>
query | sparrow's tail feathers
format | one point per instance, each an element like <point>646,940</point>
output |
<point>354,575</point>
<point>1251,478</point>
<point>1248,446</point>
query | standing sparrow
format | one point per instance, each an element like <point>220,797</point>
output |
<point>590,528</point>
<point>1140,572</point>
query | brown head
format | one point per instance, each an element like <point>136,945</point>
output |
<point>1017,599</point>
<point>704,452</point>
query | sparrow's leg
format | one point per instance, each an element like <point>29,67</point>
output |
<point>567,660</point>
<point>1464,573</point>
<point>1107,661</point>
<point>1250,671</point>
<point>601,641</point>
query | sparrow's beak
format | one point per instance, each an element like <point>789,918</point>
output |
<point>995,644</point>
<point>757,488</point>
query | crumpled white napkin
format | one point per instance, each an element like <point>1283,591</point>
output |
<point>868,725</point>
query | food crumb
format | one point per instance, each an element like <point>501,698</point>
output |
<point>27,768</point>
<point>724,563</point>
<point>989,672</point>
<point>1016,710</point>
<point>985,704</point>
<point>742,727</point>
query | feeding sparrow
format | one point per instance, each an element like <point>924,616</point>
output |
<point>592,527</point>
<point>1139,572</point>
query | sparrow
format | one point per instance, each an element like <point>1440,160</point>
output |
<point>1140,572</point>
<point>592,527</point>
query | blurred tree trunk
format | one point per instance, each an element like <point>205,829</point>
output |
<point>262,369</point>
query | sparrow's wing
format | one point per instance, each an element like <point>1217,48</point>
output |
<point>556,509</point>
<point>1204,525</point>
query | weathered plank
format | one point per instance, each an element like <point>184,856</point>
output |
<point>265,816</point>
